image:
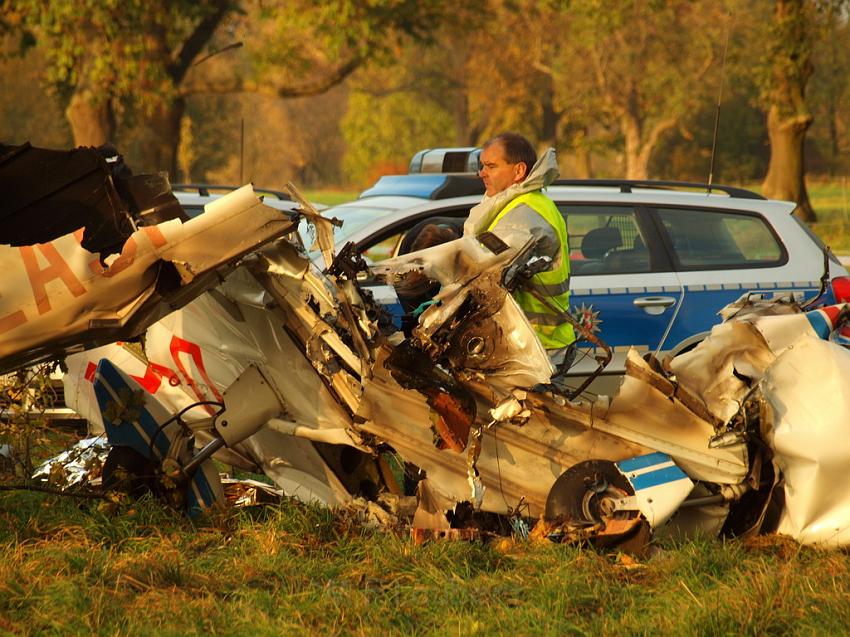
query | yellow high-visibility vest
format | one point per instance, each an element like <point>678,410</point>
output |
<point>553,284</point>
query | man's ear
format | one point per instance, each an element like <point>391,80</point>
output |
<point>520,171</point>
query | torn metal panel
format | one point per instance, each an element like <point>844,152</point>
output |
<point>724,366</point>
<point>206,347</point>
<point>295,466</point>
<point>431,508</point>
<point>482,330</point>
<point>57,296</point>
<point>51,193</point>
<point>453,264</point>
<point>77,466</point>
<point>474,321</point>
<point>241,493</point>
<point>733,359</point>
<point>808,397</point>
<point>516,462</point>
<point>644,414</point>
<point>322,225</point>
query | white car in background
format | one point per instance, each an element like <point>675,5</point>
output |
<point>652,262</point>
<point>193,197</point>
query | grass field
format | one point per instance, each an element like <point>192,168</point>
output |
<point>294,569</point>
<point>330,197</point>
<point>81,567</point>
<point>831,202</point>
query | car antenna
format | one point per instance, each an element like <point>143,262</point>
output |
<point>717,112</point>
<point>242,151</point>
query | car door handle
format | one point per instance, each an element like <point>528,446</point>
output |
<point>654,301</point>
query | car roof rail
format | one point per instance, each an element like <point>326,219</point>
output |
<point>626,185</point>
<point>204,190</point>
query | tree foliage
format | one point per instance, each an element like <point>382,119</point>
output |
<point>384,132</point>
<point>140,60</point>
<point>828,96</point>
<point>620,89</point>
<point>645,65</point>
<point>28,112</point>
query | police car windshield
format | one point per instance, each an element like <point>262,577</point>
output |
<point>353,217</point>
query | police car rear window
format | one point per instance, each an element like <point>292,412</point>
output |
<point>717,240</point>
<point>605,239</point>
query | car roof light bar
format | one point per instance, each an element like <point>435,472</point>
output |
<point>445,160</point>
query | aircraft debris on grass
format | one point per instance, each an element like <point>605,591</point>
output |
<point>253,355</point>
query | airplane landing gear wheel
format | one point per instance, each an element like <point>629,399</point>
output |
<point>586,492</point>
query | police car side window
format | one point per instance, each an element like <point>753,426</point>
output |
<point>605,240</point>
<point>382,250</point>
<point>708,239</point>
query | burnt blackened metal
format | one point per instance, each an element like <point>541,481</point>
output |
<point>473,337</point>
<point>453,407</point>
<point>51,193</point>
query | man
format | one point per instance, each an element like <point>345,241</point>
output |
<point>515,210</point>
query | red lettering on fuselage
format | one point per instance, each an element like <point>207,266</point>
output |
<point>12,320</point>
<point>128,253</point>
<point>178,346</point>
<point>154,374</point>
<point>39,278</point>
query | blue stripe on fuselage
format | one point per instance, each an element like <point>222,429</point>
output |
<point>655,478</point>
<point>642,462</point>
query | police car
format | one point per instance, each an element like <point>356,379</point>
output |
<point>193,197</point>
<point>652,262</point>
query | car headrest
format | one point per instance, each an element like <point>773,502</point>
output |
<point>454,223</point>
<point>599,241</point>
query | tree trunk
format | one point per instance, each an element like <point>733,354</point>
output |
<point>550,117</point>
<point>460,115</point>
<point>786,171</point>
<point>162,139</point>
<point>92,122</point>
<point>637,162</point>
<point>788,118</point>
<point>581,165</point>
<point>582,158</point>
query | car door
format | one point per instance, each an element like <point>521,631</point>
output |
<point>720,255</point>
<point>622,284</point>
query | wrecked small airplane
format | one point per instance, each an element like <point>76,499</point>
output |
<point>253,355</point>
